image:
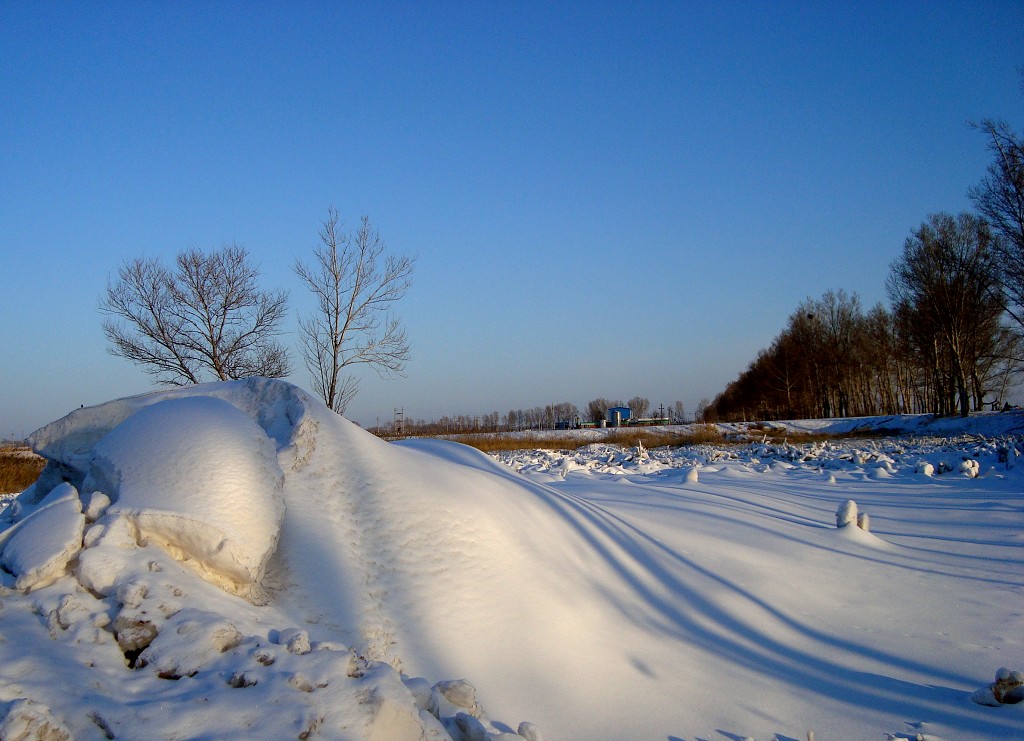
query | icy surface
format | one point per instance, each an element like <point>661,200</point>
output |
<point>425,590</point>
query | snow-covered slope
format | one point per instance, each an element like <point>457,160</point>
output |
<point>235,561</point>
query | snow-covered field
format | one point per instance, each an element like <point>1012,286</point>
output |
<point>234,561</point>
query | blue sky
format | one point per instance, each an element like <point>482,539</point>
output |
<point>603,200</point>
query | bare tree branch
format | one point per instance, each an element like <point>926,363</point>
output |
<point>1000,200</point>
<point>355,284</point>
<point>208,317</point>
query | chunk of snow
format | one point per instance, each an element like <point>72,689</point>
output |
<point>133,633</point>
<point>846,514</point>
<point>191,642</point>
<point>294,640</point>
<point>970,468</point>
<point>43,544</point>
<point>468,728</point>
<point>35,498</point>
<point>200,478</point>
<point>106,556</point>
<point>94,505</point>
<point>132,594</point>
<point>529,731</point>
<point>460,694</point>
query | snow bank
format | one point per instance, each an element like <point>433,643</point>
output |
<point>1010,422</point>
<point>605,593</point>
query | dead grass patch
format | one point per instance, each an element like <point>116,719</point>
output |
<point>627,437</point>
<point>19,468</point>
<point>778,437</point>
<point>630,437</point>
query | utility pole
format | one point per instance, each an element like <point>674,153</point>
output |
<point>399,421</point>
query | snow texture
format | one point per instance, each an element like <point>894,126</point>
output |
<point>234,560</point>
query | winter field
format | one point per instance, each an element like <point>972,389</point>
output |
<point>234,561</point>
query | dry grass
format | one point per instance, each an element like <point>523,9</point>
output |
<point>495,442</point>
<point>19,467</point>
<point>777,437</point>
<point>627,437</point>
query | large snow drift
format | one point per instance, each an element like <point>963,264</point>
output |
<point>267,569</point>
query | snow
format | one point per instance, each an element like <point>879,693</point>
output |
<point>39,548</point>
<point>235,561</point>
<point>847,513</point>
<point>199,477</point>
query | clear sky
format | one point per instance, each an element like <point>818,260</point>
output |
<point>605,199</point>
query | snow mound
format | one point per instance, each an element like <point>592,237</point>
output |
<point>195,475</point>
<point>201,479</point>
<point>154,515</point>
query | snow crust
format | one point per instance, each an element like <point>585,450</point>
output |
<point>236,561</point>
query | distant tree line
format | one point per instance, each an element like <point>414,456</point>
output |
<point>548,417</point>
<point>951,341</point>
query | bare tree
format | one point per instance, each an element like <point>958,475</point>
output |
<point>597,409</point>
<point>205,318</point>
<point>355,284</point>
<point>1000,199</point>
<point>945,284</point>
<point>837,313</point>
<point>638,406</point>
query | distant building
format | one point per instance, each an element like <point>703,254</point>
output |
<point>618,416</point>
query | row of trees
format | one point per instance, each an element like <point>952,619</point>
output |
<point>548,417</point>
<point>834,359</point>
<point>951,342</point>
<point>536,418</point>
<point>206,317</point>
